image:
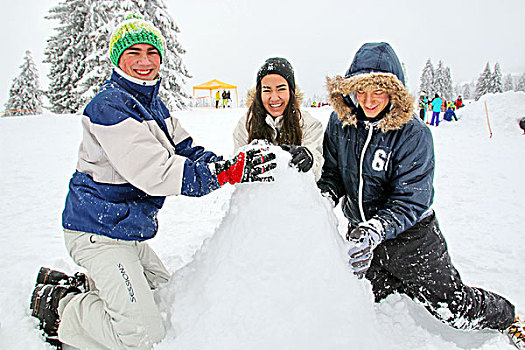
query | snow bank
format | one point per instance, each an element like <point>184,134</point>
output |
<point>504,111</point>
<point>273,276</point>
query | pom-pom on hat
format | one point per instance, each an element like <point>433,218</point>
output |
<point>277,65</point>
<point>134,30</point>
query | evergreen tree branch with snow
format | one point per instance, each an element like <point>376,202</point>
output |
<point>66,53</point>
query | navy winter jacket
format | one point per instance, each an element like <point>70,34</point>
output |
<point>382,168</point>
<point>127,163</point>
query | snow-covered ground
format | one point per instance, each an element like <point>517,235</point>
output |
<point>263,266</point>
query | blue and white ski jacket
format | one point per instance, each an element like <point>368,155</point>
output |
<point>383,168</point>
<point>127,164</point>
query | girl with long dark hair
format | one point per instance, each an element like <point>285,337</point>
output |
<point>274,115</point>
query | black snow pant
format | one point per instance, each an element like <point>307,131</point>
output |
<point>417,264</point>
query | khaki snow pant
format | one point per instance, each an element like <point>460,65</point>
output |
<point>119,312</point>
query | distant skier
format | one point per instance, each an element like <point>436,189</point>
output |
<point>522,125</point>
<point>134,153</point>
<point>379,158</point>
<point>275,115</point>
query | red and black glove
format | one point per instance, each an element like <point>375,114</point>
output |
<point>247,166</point>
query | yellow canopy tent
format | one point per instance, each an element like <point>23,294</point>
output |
<point>215,85</point>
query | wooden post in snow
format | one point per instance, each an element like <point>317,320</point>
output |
<point>488,121</point>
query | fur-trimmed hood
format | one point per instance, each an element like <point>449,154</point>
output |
<point>375,66</point>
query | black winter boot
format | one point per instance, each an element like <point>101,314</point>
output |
<point>44,305</point>
<point>54,277</point>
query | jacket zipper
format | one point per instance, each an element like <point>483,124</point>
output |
<point>361,180</point>
<point>273,124</point>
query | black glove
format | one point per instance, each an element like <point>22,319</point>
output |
<point>302,158</point>
<point>246,166</point>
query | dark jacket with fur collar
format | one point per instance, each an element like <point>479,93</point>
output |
<point>382,169</point>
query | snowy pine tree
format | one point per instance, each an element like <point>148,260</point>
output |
<point>448,92</point>
<point>98,24</point>
<point>520,86</point>
<point>25,94</point>
<point>483,84</point>
<point>427,79</point>
<point>66,52</point>
<point>172,70</point>
<point>440,80</point>
<point>496,83</point>
<point>508,83</point>
<point>85,26</point>
<point>467,92</point>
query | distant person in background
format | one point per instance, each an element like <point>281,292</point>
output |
<point>423,100</point>
<point>437,103</point>
<point>133,154</point>
<point>217,99</point>
<point>379,159</point>
<point>228,99</point>
<point>224,99</point>
<point>274,114</point>
<point>427,112</point>
<point>522,125</point>
<point>449,114</point>
<point>459,102</point>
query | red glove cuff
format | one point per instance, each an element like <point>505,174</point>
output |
<point>233,174</point>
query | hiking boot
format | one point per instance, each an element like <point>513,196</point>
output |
<point>54,341</point>
<point>516,333</point>
<point>44,305</point>
<point>54,277</point>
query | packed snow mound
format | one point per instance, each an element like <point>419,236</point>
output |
<point>273,276</point>
<point>504,111</point>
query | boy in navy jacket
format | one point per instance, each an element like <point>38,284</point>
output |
<point>379,160</point>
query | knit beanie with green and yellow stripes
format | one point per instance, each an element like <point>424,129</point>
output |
<point>134,30</point>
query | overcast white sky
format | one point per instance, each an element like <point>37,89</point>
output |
<point>229,39</point>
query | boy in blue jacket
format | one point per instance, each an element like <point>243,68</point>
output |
<point>379,159</point>
<point>449,114</point>
<point>133,154</point>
